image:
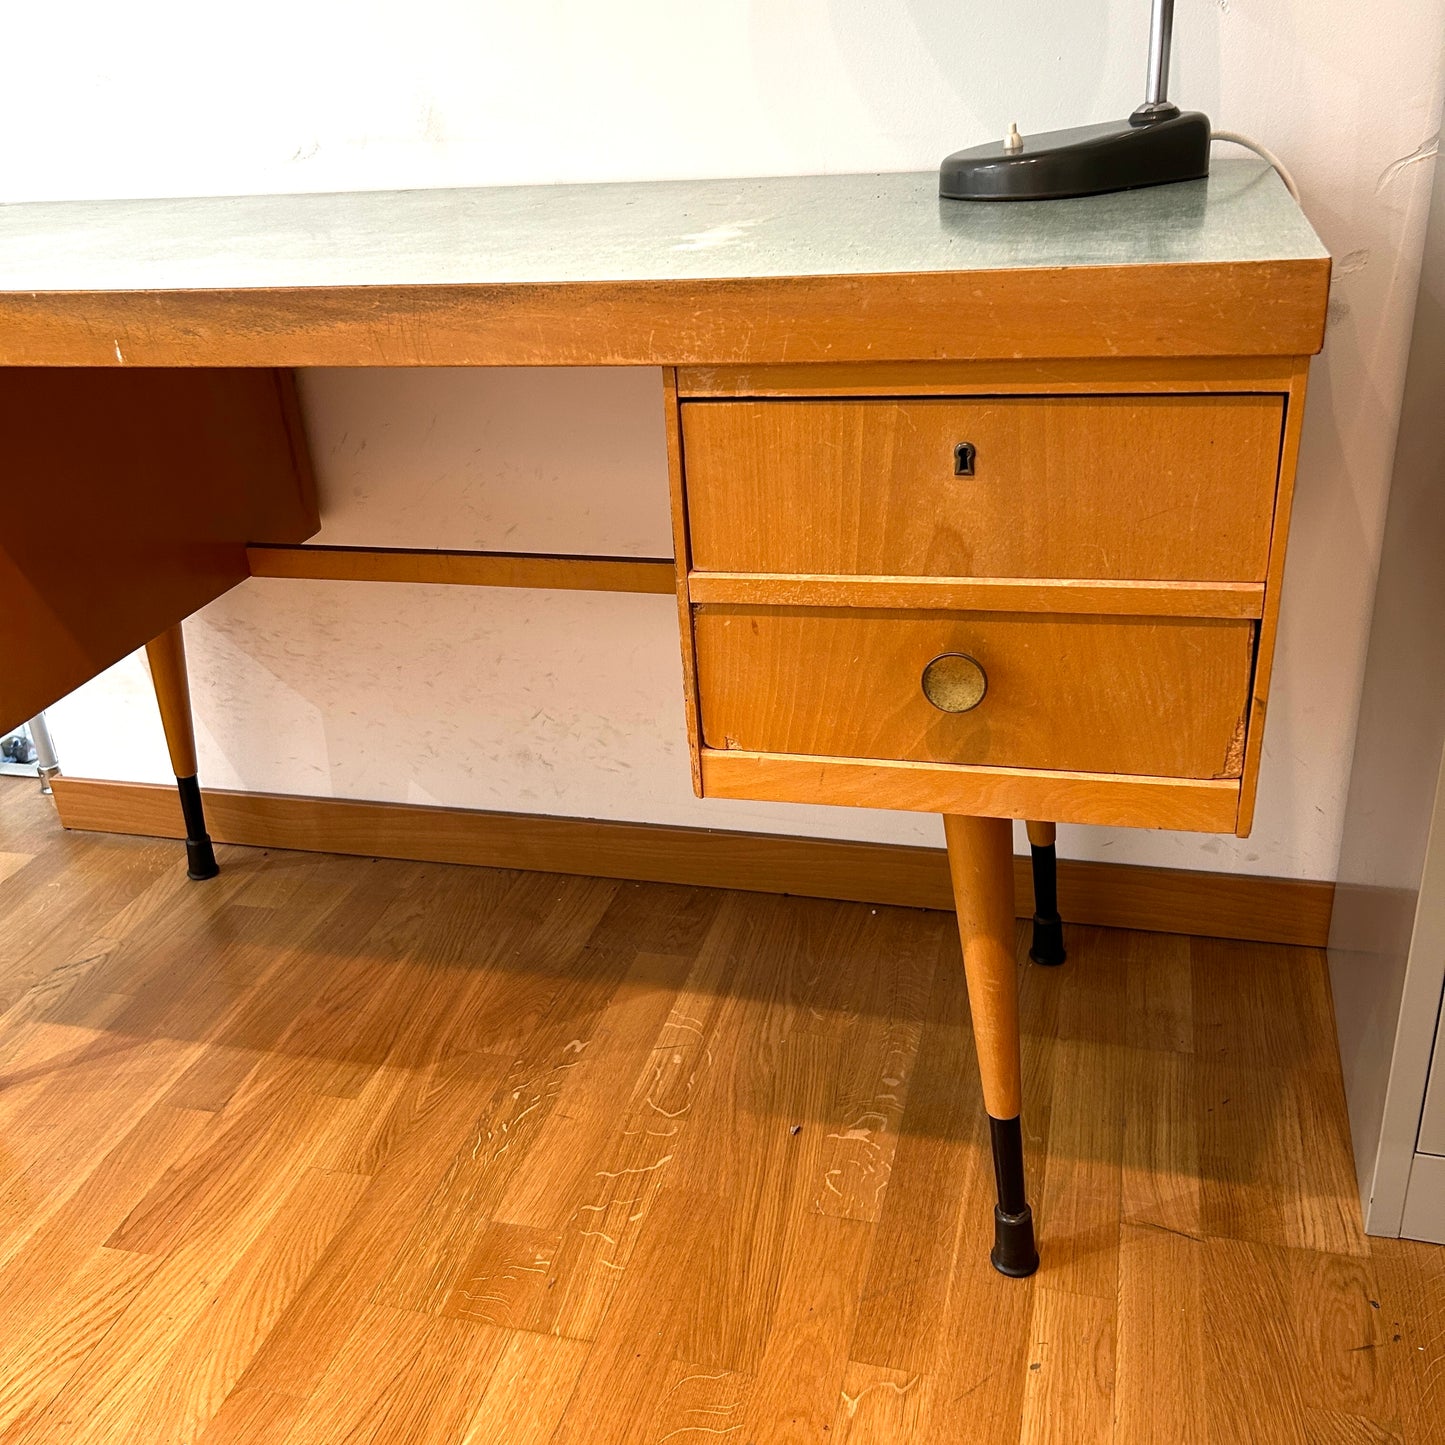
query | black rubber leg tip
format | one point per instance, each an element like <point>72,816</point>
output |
<point>1014,1252</point>
<point>1047,947</point>
<point>201,859</point>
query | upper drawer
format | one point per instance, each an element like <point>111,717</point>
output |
<point>1127,488</point>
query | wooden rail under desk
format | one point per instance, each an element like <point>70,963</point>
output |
<point>465,569</point>
<point>572,572</point>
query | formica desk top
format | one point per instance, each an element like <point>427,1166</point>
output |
<point>651,231</point>
<point>404,277</point>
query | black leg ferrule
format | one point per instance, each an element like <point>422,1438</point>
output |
<point>1014,1252</point>
<point>1047,946</point>
<point>200,856</point>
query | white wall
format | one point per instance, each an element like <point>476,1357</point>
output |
<point>164,98</point>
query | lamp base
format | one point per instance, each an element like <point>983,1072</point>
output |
<point>1155,146</point>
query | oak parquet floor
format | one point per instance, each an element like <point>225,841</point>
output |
<point>331,1150</point>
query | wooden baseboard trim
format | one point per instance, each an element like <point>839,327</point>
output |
<point>1110,895</point>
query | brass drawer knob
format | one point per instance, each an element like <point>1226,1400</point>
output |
<point>954,682</point>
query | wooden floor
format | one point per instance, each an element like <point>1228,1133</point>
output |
<point>332,1150</point>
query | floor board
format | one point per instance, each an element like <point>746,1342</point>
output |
<point>332,1149</point>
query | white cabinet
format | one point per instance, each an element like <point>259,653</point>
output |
<point>1387,939</point>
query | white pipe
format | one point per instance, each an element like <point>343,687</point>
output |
<point>45,759</point>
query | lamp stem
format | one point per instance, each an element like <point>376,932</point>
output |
<point>1161,32</point>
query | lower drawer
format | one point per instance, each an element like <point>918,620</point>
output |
<point>1157,696</point>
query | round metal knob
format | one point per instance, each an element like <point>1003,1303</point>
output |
<point>954,682</point>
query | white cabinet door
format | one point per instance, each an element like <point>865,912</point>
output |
<point>1424,1213</point>
<point>1432,1118</point>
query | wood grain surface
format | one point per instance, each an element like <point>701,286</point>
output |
<point>465,569</point>
<point>677,506</point>
<point>980,594</point>
<point>1002,376</point>
<point>1114,895</point>
<point>980,862</point>
<point>1274,588</point>
<point>1122,488</point>
<point>336,1149</point>
<point>1254,308</point>
<point>1163,697</point>
<point>166,658</point>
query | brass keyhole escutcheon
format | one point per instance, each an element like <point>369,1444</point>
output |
<point>955,682</point>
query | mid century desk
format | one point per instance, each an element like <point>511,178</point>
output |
<point>978,510</point>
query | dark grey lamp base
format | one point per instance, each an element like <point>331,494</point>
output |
<point>1155,146</point>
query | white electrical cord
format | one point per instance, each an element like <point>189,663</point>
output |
<point>1234,138</point>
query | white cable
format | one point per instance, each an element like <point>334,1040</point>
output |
<point>1234,138</point>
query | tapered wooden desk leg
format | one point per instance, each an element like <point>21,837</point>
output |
<point>980,858</point>
<point>1048,941</point>
<point>167,655</point>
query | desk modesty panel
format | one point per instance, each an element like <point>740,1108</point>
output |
<point>978,510</point>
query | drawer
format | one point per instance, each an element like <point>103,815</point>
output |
<point>1122,487</point>
<point>1159,696</point>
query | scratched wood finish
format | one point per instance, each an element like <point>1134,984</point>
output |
<point>1162,697</point>
<point>1227,309</point>
<point>334,1149</point>
<point>1122,488</point>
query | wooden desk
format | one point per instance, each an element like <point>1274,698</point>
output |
<point>978,510</point>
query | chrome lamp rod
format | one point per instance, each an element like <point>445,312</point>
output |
<point>1161,32</point>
